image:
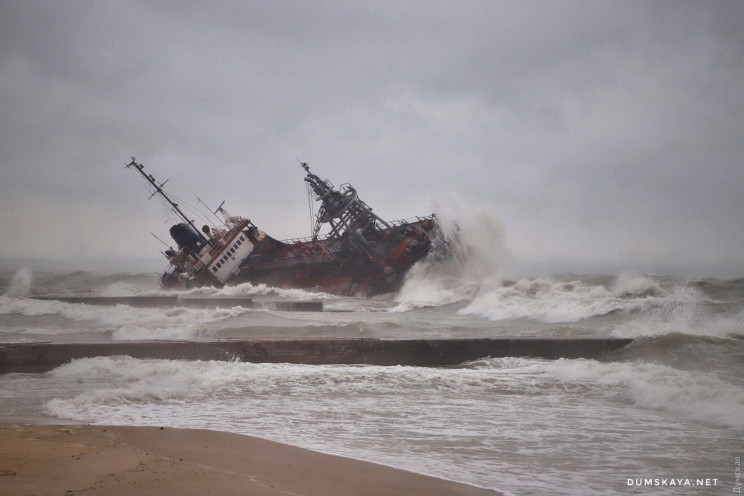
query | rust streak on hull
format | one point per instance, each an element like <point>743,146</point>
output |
<point>361,255</point>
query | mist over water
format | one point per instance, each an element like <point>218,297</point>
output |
<point>669,405</point>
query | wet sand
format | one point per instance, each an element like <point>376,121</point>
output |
<point>100,460</point>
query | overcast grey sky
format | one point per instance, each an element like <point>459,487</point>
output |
<point>601,135</point>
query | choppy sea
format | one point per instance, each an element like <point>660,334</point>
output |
<point>662,416</point>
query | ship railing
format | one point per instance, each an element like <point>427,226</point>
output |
<point>308,239</point>
<point>395,223</point>
<point>402,222</point>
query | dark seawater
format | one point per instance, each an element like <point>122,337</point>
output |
<point>670,407</point>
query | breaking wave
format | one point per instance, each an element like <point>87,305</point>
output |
<point>248,289</point>
<point>120,321</point>
<point>120,383</point>
<point>477,252</point>
<point>692,394</point>
<point>81,283</point>
<point>692,319</point>
<point>475,278</point>
<point>555,301</point>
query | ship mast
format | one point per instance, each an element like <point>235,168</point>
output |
<point>342,209</point>
<point>159,190</point>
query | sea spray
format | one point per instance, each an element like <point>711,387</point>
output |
<point>478,241</point>
<point>477,252</point>
<point>20,285</point>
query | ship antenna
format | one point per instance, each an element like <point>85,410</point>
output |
<point>310,200</point>
<point>210,211</point>
<point>166,244</point>
<point>159,190</point>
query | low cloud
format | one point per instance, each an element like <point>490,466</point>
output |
<point>601,135</point>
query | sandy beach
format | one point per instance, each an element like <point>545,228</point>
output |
<point>81,459</point>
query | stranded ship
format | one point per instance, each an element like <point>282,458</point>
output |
<point>361,254</point>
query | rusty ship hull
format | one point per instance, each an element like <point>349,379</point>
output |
<point>337,266</point>
<point>361,255</point>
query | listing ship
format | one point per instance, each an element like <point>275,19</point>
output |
<point>361,255</point>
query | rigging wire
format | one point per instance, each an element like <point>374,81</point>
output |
<point>311,206</point>
<point>187,208</point>
<point>209,215</point>
<point>167,210</point>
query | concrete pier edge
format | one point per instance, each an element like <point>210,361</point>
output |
<point>159,301</point>
<point>42,357</point>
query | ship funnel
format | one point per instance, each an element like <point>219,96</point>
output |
<point>186,237</point>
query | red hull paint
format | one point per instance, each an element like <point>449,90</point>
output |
<point>361,255</point>
<point>334,265</point>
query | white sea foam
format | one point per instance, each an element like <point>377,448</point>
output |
<point>687,319</point>
<point>348,410</point>
<point>128,288</point>
<point>141,381</point>
<point>490,423</point>
<point>474,273</point>
<point>629,285</point>
<point>546,300</point>
<point>248,289</point>
<point>485,423</point>
<point>692,394</point>
<point>685,310</point>
<point>554,301</point>
<point>124,322</point>
<point>28,306</point>
<point>125,380</point>
<point>543,300</point>
<point>421,291</point>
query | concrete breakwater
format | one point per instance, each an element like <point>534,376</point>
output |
<point>192,302</point>
<point>41,357</point>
